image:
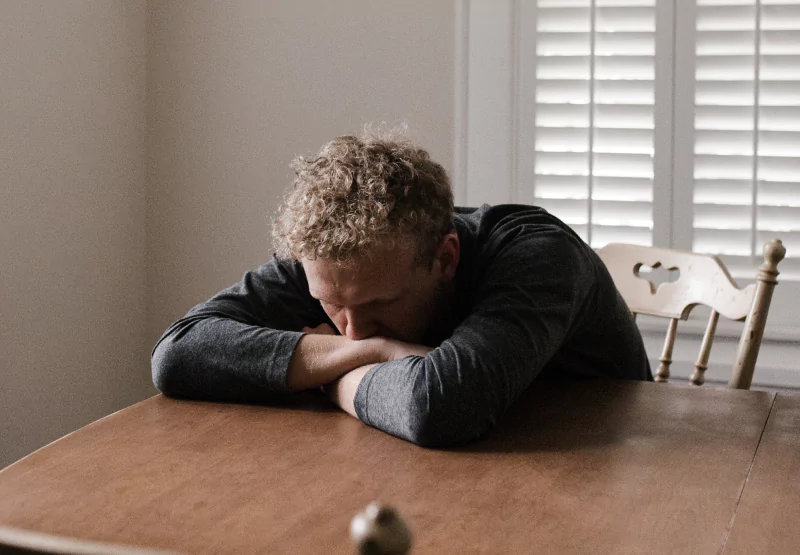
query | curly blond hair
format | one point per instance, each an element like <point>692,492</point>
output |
<point>361,192</point>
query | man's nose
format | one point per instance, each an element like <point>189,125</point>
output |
<point>359,325</point>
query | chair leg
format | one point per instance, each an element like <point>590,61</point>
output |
<point>666,356</point>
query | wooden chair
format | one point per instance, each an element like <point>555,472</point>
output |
<point>703,280</point>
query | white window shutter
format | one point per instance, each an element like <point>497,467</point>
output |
<point>594,116</point>
<point>747,131</point>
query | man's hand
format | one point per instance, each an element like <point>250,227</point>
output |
<point>393,349</point>
<point>390,349</point>
<point>322,329</point>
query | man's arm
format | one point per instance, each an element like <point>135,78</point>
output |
<point>343,391</point>
<point>247,343</point>
<point>321,357</point>
<point>454,394</point>
<point>342,388</point>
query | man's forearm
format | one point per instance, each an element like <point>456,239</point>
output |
<point>343,391</point>
<point>321,359</point>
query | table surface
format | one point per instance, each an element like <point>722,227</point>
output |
<point>769,512</point>
<point>622,467</point>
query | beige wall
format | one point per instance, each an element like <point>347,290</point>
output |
<point>238,88</point>
<point>72,201</point>
<point>94,207</point>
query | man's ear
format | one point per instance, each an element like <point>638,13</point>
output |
<point>447,255</point>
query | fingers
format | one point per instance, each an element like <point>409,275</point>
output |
<point>322,329</point>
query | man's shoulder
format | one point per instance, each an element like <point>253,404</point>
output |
<point>489,217</point>
<point>492,227</point>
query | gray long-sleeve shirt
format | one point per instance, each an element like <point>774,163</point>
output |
<point>531,298</point>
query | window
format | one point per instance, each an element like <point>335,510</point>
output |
<point>746,108</point>
<point>594,117</point>
<point>673,123</point>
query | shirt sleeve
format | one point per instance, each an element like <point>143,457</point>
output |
<point>237,346</point>
<point>531,298</point>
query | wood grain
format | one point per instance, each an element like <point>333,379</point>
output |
<point>768,519</point>
<point>622,467</point>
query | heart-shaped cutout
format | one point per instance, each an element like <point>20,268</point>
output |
<point>656,275</point>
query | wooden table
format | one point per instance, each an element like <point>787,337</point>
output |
<point>603,467</point>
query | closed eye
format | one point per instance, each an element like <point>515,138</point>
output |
<point>331,306</point>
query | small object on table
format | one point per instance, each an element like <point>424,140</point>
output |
<point>379,530</point>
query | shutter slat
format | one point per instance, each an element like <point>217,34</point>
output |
<point>563,19</point>
<point>779,118</point>
<point>639,141</point>
<point>779,143</point>
<point>780,93</point>
<point>563,44</point>
<point>628,18</point>
<point>562,139</point>
<point>778,218</point>
<point>562,115</point>
<point>723,167</point>
<point>602,235</point>
<point>725,68</point>
<point>779,193</point>
<point>780,42</point>
<point>624,42</point>
<point>561,187</point>
<point>563,67</point>
<point>562,163</point>
<point>726,18</point>
<point>562,91</point>
<point>780,67</point>
<point>623,165</point>
<point>725,43</point>
<point>723,142</point>
<point>611,68</point>
<point>720,216</point>
<point>779,168</point>
<point>623,188</point>
<point>624,116</point>
<point>627,214</point>
<point>717,241</point>
<point>780,17</point>
<point>723,191</point>
<point>624,92</point>
<point>724,93</point>
<point>738,118</point>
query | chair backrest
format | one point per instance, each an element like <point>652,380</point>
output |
<point>703,280</point>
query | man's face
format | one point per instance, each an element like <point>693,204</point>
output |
<point>389,295</point>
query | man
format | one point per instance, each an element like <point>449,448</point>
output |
<point>422,321</point>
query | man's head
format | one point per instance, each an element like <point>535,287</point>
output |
<point>371,220</point>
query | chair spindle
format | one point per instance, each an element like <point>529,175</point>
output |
<point>698,377</point>
<point>666,356</point>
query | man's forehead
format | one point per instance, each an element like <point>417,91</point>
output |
<point>331,281</point>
